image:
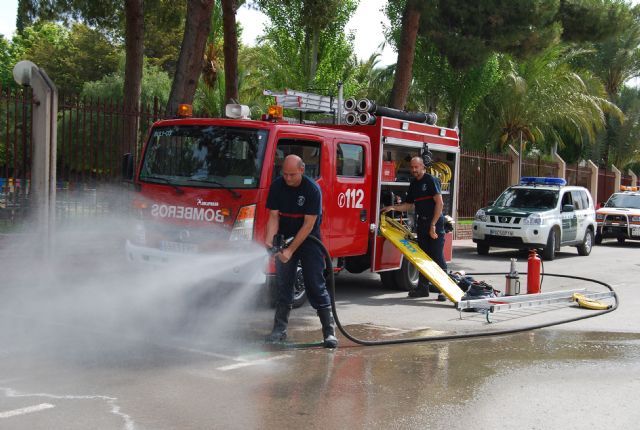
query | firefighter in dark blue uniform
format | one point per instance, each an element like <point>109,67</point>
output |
<point>424,193</point>
<point>295,210</point>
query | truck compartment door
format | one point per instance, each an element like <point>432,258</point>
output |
<point>350,199</point>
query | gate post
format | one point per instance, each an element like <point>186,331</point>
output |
<point>617,179</point>
<point>562,166</point>
<point>634,178</point>
<point>514,173</point>
<point>44,136</point>
<point>593,186</point>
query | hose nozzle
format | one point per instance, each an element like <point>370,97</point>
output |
<point>279,243</point>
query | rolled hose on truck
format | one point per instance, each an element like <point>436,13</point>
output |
<point>345,333</point>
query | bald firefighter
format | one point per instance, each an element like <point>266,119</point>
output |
<point>295,210</point>
<point>424,194</point>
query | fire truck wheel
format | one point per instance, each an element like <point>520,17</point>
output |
<point>598,239</point>
<point>407,276</point>
<point>389,280</point>
<point>299,291</point>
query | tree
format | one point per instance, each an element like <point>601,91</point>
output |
<point>134,46</point>
<point>468,33</point>
<point>615,60</point>
<point>107,14</point>
<point>197,26</point>
<point>545,103</point>
<point>308,40</point>
<point>408,34</point>
<point>6,63</point>
<point>164,25</point>
<point>229,8</point>
<point>69,56</point>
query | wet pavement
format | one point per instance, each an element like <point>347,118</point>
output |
<point>118,359</point>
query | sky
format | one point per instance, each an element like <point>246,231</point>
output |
<point>366,23</point>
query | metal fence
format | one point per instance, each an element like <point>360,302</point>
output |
<point>536,166</point>
<point>15,152</point>
<point>483,176</point>
<point>578,175</point>
<point>90,144</point>
<point>606,184</point>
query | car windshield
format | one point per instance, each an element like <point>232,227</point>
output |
<point>623,201</point>
<point>530,198</point>
<point>205,156</point>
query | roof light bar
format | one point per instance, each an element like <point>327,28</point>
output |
<point>539,180</point>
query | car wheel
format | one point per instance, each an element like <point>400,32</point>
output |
<point>549,251</point>
<point>598,239</point>
<point>585,248</point>
<point>621,240</point>
<point>482,248</point>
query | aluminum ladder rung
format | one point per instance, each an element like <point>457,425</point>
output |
<point>496,304</point>
<point>496,301</point>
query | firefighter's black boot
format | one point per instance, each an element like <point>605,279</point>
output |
<point>328,328</point>
<point>280,322</point>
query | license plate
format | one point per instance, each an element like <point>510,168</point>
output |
<point>635,230</point>
<point>184,248</point>
<point>496,232</point>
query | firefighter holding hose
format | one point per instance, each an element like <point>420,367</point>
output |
<point>295,210</point>
<point>424,193</point>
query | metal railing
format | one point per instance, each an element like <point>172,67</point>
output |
<point>483,176</point>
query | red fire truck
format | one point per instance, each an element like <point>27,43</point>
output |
<point>201,182</point>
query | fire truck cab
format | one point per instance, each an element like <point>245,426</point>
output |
<point>202,184</point>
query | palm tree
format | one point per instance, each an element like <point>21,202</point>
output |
<point>615,61</point>
<point>545,103</point>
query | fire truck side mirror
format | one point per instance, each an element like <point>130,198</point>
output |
<point>127,167</point>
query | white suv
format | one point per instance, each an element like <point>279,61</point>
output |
<point>539,213</point>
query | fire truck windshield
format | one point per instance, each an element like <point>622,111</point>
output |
<point>205,156</point>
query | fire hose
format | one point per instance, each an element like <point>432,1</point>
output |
<point>280,244</point>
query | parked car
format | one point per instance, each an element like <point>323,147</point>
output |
<point>620,216</point>
<point>540,213</point>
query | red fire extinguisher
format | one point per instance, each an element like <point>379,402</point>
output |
<point>533,273</point>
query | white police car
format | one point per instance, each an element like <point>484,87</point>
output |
<point>542,213</point>
<point>620,216</point>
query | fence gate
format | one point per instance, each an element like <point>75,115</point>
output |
<point>90,145</point>
<point>16,107</point>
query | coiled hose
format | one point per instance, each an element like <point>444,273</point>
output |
<point>332,294</point>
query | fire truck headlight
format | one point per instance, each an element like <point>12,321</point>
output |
<point>635,218</point>
<point>243,226</point>
<point>481,216</point>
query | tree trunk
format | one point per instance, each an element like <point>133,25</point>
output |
<point>134,47</point>
<point>454,115</point>
<point>229,8</point>
<point>190,60</point>
<point>313,58</point>
<point>406,53</point>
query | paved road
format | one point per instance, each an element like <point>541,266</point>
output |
<point>89,342</point>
